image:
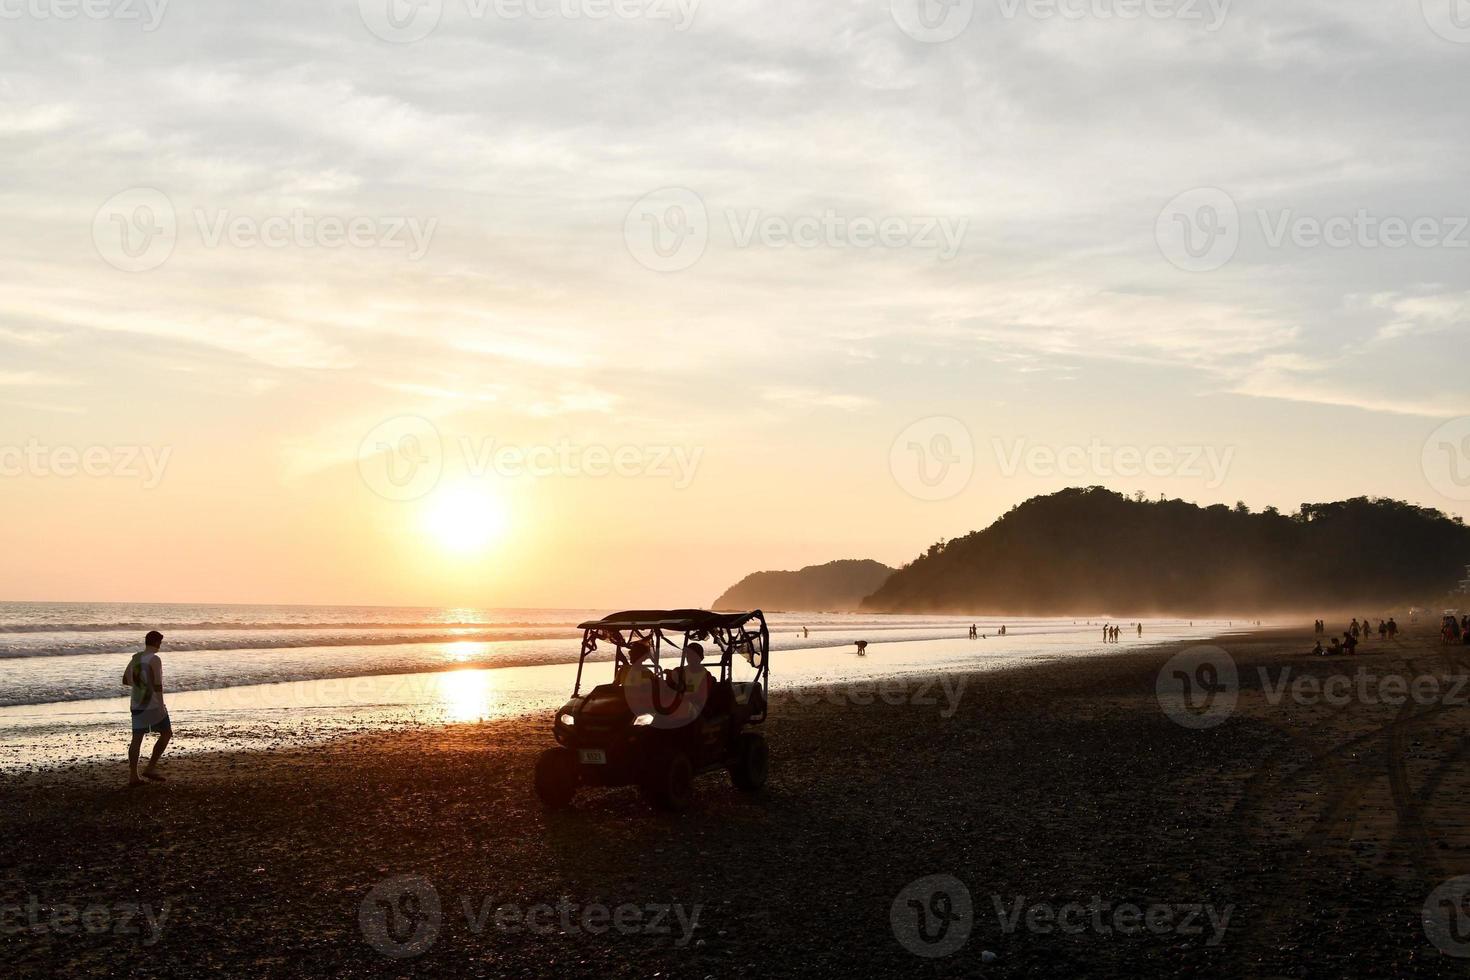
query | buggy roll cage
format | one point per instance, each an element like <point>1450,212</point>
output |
<point>743,633</point>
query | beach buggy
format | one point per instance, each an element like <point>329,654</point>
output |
<point>658,728</point>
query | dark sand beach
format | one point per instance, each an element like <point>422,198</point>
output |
<point>1319,826</point>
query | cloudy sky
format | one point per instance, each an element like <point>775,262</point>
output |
<point>594,302</point>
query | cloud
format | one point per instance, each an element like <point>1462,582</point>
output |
<point>813,398</point>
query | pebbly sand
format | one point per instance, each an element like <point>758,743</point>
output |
<point>1302,836</point>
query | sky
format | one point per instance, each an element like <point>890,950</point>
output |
<point>590,303</point>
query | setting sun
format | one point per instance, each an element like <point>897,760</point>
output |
<point>465,519</point>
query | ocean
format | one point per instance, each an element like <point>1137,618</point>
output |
<point>238,675</point>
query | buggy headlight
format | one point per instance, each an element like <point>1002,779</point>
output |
<point>643,721</point>
<point>568,719</point>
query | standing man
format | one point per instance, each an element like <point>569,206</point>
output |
<point>144,675</point>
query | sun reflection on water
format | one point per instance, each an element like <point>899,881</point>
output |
<point>466,695</point>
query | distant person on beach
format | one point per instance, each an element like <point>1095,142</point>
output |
<point>1335,648</point>
<point>1317,650</point>
<point>144,674</point>
<point>1393,628</point>
<point>1349,643</point>
<point>862,648</point>
<point>1140,629</point>
<point>1002,631</point>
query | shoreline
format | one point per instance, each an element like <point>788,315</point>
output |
<point>347,698</point>
<point>1324,829</point>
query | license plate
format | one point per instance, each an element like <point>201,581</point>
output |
<point>592,757</point>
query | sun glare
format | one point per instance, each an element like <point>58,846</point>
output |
<point>465,520</point>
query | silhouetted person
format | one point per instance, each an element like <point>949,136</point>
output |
<point>144,674</point>
<point>693,681</point>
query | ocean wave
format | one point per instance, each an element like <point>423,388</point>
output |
<point>57,644</point>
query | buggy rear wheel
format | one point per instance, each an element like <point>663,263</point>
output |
<point>751,762</point>
<point>557,778</point>
<point>669,783</point>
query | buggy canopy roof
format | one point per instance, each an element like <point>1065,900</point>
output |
<point>682,620</point>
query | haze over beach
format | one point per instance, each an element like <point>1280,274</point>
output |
<point>612,488</point>
<point>245,356</point>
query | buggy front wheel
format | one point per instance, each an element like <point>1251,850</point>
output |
<point>669,784</point>
<point>751,762</point>
<point>556,778</point>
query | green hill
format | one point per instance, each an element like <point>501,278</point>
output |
<point>1092,550</point>
<point>835,586</point>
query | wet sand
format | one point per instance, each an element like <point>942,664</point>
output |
<point>1321,826</point>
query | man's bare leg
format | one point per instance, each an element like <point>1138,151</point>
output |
<point>133,750</point>
<point>158,747</point>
